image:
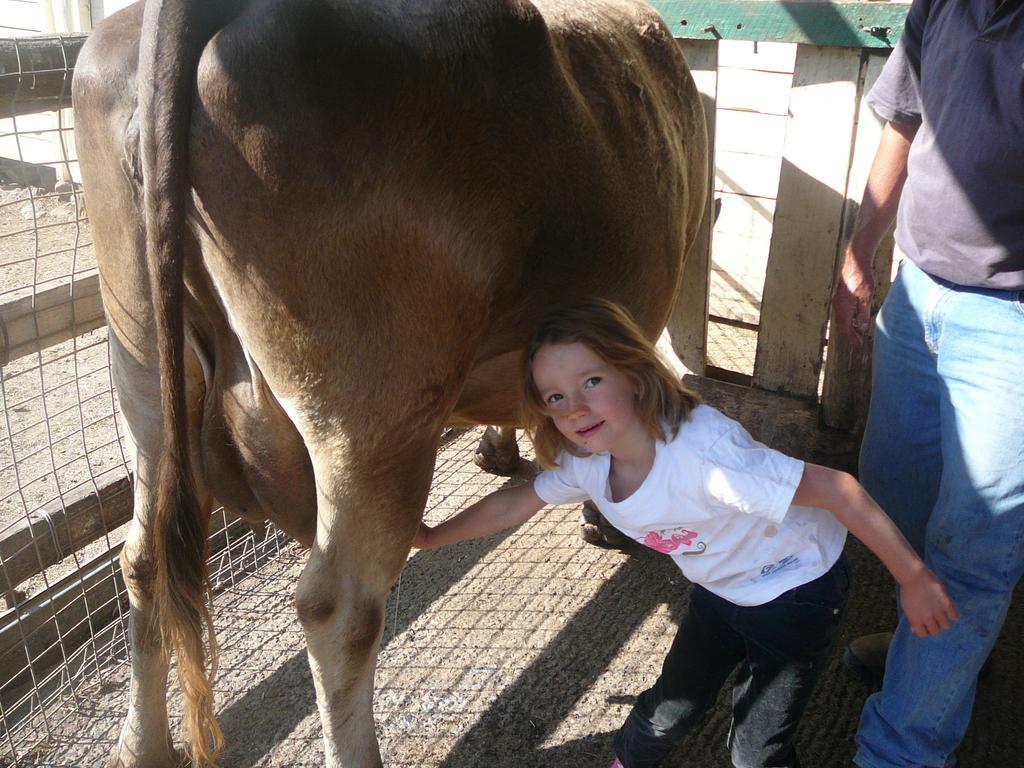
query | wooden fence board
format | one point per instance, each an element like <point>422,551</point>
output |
<point>808,217</point>
<point>753,90</point>
<point>52,532</point>
<point>35,636</point>
<point>764,57</point>
<point>53,315</point>
<point>744,174</point>
<point>847,385</point>
<point>37,73</point>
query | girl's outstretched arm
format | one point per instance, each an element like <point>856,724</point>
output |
<point>495,512</point>
<point>923,597</point>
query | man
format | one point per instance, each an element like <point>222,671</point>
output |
<point>943,449</point>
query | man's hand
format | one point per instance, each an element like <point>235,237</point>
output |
<point>851,301</point>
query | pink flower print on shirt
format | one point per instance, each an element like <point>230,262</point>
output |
<point>670,540</point>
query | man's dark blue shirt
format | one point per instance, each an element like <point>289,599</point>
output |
<point>958,72</point>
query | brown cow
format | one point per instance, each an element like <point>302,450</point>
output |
<point>324,230</point>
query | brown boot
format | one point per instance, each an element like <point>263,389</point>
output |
<point>865,657</point>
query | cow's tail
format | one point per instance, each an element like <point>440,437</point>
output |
<point>174,33</point>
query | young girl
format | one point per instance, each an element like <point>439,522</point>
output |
<point>758,533</point>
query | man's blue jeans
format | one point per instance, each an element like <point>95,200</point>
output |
<point>943,454</point>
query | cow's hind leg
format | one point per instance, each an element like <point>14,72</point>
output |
<point>368,511</point>
<point>145,739</point>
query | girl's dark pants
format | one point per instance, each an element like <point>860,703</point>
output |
<point>781,647</point>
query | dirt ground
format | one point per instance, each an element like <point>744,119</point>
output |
<point>44,238</point>
<point>523,649</point>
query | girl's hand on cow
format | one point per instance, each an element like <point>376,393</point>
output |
<point>422,538</point>
<point>495,512</point>
<point>928,606</point>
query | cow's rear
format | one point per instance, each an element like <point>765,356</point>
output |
<point>382,203</point>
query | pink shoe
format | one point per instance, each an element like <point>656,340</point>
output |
<point>616,763</point>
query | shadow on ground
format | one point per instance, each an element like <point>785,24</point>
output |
<point>516,728</point>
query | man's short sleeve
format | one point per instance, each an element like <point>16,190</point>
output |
<point>560,485</point>
<point>741,474</point>
<point>896,95</point>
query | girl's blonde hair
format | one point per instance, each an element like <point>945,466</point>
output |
<point>608,330</point>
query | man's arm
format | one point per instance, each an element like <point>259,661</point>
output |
<point>851,301</point>
<point>922,596</point>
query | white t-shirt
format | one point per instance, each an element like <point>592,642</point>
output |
<point>719,503</point>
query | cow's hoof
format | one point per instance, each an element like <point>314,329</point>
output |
<point>594,529</point>
<point>127,758</point>
<point>591,533</point>
<point>495,458</point>
<point>613,537</point>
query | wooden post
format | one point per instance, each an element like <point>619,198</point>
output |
<point>847,387</point>
<point>688,325</point>
<point>43,66</point>
<point>808,219</point>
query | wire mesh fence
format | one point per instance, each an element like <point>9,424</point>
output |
<point>437,670</point>
<point>65,481</point>
<point>63,473</point>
